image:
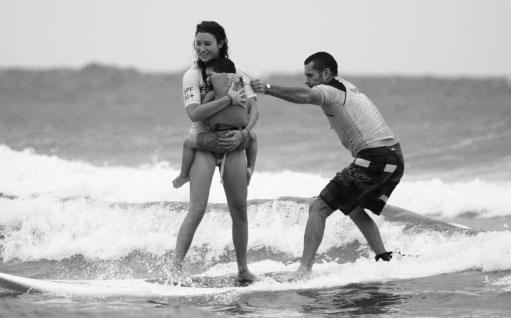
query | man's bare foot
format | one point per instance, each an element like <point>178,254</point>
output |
<point>180,180</point>
<point>245,276</point>
<point>250,171</point>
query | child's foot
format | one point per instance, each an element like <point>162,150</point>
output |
<point>180,180</point>
<point>250,171</point>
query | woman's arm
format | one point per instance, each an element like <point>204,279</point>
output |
<point>210,95</point>
<point>198,112</point>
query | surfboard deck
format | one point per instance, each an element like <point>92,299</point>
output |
<point>206,282</point>
<point>108,288</point>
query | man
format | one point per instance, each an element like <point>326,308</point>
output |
<point>378,165</point>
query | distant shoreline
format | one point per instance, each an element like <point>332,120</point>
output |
<point>129,69</point>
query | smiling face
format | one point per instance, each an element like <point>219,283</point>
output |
<point>206,46</point>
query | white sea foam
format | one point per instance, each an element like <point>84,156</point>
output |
<point>435,254</point>
<point>26,173</point>
<point>46,227</point>
<point>36,228</point>
<point>504,283</point>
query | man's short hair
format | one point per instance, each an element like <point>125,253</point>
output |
<point>322,60</point>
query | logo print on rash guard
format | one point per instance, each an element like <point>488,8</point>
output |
<point>188,93</point>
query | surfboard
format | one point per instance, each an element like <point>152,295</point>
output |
<point>111,288</point>
<point>207,282</point>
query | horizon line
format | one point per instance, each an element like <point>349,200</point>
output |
<point>119,67</point>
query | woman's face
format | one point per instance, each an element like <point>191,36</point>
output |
<point>207,47</point>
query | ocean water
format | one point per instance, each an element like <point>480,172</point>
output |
<point>87,158</point>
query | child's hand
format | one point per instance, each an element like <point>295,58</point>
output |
<point>238,97</point>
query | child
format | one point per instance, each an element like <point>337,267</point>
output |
<point>221,75</point>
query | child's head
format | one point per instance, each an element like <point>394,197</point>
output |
<point>220,65</point>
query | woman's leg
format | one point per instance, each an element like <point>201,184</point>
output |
<point>235,186</point>
<point>201,173</point>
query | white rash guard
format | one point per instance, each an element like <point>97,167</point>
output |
<point>353,116</point>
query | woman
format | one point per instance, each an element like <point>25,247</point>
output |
<point>211,43</point>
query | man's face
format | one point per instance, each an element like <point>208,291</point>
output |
<point>313,77</point>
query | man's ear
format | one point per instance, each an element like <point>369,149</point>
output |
<point>326,73</point>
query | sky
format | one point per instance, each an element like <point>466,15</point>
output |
<point>367,37</point>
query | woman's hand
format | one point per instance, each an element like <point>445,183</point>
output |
<point>238,97</point>
<point>230,140</point>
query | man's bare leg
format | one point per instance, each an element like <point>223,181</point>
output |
<point>368,228</point>
<point>319,211</point>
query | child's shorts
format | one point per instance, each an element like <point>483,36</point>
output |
<point>208,141</point>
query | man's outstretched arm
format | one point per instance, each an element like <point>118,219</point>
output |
<point>297,95</point>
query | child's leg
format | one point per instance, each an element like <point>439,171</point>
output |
<point>251,153</point>
<point>186,163</point>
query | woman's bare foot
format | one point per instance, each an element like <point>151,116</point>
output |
<point>176,277</point>
<point>250,171</point>
<point>299,274</point>
<point>180,180</point>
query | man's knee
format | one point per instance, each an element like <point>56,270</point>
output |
<point>359,215</point>
<point>320,208</point>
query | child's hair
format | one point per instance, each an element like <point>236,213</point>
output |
<point>222,65</point>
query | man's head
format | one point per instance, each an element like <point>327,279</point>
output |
<point>319,68</point>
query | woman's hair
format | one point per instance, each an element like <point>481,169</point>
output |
<point>218,32</point>
<point>222,65</point>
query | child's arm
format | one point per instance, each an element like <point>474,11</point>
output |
<point>253,113</point>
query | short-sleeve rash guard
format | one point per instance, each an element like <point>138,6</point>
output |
<point>353,116</point>
<point>194,90</point>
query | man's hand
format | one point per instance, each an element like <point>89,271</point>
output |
<point>230,140</point>
<point>258,86</point>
